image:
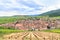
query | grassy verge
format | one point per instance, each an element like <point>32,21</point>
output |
<point>8,31</point>
<point>52,30</point>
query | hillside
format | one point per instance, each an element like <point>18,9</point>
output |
<point>10,19</point>
<point>53,13</point>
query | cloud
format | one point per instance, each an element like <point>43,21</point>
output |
<point>27,7</point>
<point>7,13</point>
<point>30,4</point>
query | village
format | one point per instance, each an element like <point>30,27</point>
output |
<point>37,24</point>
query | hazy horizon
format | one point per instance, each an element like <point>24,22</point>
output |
<point>27,7</point>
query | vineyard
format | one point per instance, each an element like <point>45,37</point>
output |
<point>32,36</point>
<point>29,28</point>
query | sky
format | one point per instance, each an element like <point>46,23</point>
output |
<point>27,7</point>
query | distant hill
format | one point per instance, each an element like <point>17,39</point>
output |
<point>52,13</point>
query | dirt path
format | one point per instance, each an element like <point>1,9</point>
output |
<point>32,36</point>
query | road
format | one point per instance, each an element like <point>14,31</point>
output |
<point>32,36</point>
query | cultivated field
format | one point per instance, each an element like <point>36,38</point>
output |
<point>36,35</point>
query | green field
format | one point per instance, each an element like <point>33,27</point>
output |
<point>4,31</point>
<point>8,31</point>
<point>52,30</point>
<point>13,19</point>
<point>17,18</point>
